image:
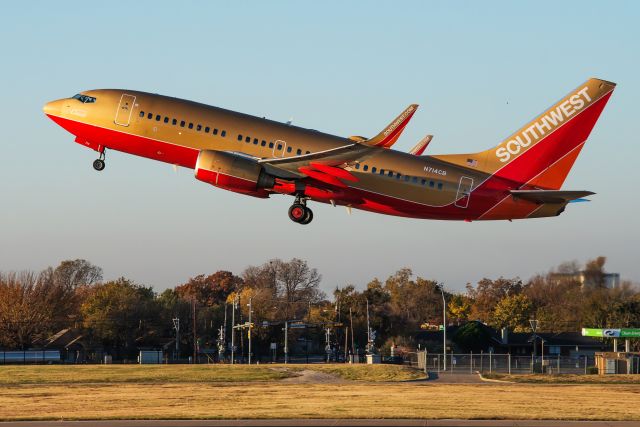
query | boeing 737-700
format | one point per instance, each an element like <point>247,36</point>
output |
<point>519,178</point>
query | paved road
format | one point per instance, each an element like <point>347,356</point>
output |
<point>321,423</point>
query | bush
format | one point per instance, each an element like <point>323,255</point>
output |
<point>592,370</point>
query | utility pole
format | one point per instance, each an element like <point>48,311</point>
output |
<point>444,327</point>
<point>195,341</point>
<point>233,329</point>
<point>250,311</point>
<point>176,326</point>
<point>352,345</point>
<point>286,342</point>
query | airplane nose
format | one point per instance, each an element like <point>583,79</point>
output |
<point>52,107</point>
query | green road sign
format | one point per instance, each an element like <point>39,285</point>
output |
<point>440,328</point>
<point>611,333</point>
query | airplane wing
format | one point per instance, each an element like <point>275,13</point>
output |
<point>549,196</point>
<point>319,163</point>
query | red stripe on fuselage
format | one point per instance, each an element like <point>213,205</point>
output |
<point>95,136</point>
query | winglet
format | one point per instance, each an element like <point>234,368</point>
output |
<point>391,133</point>
<point>419,148</point>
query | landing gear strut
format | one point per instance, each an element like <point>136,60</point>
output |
<point>299,212</point>
<point>98,164</point>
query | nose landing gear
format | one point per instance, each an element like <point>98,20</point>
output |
<point>98,164</point>
<point>299,212</point>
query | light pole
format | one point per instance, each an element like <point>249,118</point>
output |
<point>233,328</point>
<point>444,327</point>
<point>250,311</point>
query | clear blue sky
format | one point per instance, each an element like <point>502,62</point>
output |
<point>478,70</point>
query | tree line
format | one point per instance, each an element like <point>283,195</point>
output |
<point>122,316</point>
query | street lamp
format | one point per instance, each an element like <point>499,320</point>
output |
<point>444,326</point>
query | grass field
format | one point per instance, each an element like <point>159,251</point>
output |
<point>61,374</point>
<point>567,379</point>
<point>214,391</point>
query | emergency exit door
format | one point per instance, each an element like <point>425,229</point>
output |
<point>464,192</point>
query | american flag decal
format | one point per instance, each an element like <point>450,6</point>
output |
<point>472,162</point>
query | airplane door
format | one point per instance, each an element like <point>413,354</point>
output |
<point>464,192</point>
<point>125,109</point>
<point>279,148</point>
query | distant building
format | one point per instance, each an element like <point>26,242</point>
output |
<point>609,280</point>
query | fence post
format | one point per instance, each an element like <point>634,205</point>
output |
<point>481,362</point>
<point>532,363</point>
<point>451,362</point>
<point>471,362</point>
<point>558,364</point>
<point>509,363</point>
<point>438,363</point>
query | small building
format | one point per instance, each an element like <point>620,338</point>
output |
<point>618,363</point>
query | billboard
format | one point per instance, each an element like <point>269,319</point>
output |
<point>611,333</point>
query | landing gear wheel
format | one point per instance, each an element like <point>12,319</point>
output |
<point>308,217</point>
<point>297,212</point>
<point>98,164</point>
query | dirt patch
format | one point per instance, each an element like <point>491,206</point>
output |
<point>307,376</point>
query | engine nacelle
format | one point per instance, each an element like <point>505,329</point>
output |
<point>233,172</point>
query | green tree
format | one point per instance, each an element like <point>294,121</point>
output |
<point>472,336</point>
<point>122,314</point>
<point>513,312</point>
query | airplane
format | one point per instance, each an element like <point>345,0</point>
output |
<point>519,178</point>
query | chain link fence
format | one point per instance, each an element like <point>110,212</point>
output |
<point>500,363</point>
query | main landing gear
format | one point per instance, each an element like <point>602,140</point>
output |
<point>299,212</point>
<point>98,164</point>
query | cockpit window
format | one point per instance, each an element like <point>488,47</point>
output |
<point>84,98</point>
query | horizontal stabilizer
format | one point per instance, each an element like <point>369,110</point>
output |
<point>549,196</point>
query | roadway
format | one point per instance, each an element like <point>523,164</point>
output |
<point>322,423</point>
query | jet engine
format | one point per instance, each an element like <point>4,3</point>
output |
<point>233,172</point>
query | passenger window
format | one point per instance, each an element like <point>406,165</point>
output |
<point>357,165</point>
<point>158,117</point>
<point>308,152</point>
<point>374,169</point>
<point>365,168</point>
<point>424,181</point>
<point>398,175</point>
<point>190,125</point>
<point>390,173</point>
<point>224,133</point>
<point>174,122</point>
<point>215,131</point>
<point>239,137</point>
<point>288,149</point>
<point>150,116</point>
<point>279,146</point>
<point>247,139</point>
<point>255,141</point>
<point>381,171</point>
<point>414,179</point>
<point>271,145</point>
<point>207,129</point>
<point>298,151</point>
<point>166,119</point>
<point>199,128</point>
<point>182,123</point>
<point>141,113</point>
<point>439,186</point>
<point>263,143</point>
<point>431,184</point>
